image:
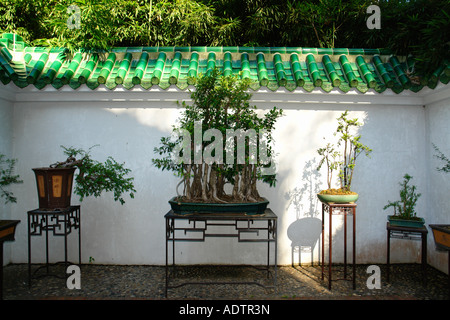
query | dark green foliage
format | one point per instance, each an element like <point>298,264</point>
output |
<point>416,27</point>
<point>405,207</point>
<point>7,178</point>
<point>220,103</point>
<point>94,177</point>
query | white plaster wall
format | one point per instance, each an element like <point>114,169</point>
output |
<point>6,148</point>
<point>438,115</point>
<point>129,124</point>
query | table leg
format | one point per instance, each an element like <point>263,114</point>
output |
<point>354,248</point>
<point>388,253</point>
<point>167,257</point>
<point>330,247</point>
<point>1,270</point>
<point>79,237</point>
<point>323,238</point>
<point>29,252</point>
<point>424,258</point>
<point>345,243</point>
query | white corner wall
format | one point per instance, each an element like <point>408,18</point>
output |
<point>438,133</point>
<point>7,99</point>
<point>128,124</point>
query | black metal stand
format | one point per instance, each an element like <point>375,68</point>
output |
<point>345,209</point>
<point>408,234</point>
<point>241,225</point>
<point>61,222</point>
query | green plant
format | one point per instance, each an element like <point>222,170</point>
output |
<point>405,207</point>
<point>441,156</point>
<point>344,160</point>
<point>220,106</point>
<point>94,177</point>
<point>7,178</point>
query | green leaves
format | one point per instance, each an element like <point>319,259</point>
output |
<point>439,155</point>
<point>351,148</point>
<point>217,126</point>
<point>95,177</point>
<point>405,207</point>
<point>7,178</point>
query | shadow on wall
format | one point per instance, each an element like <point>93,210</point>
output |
<point>305,231</point>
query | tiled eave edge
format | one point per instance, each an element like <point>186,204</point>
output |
<point>168,98</point>
<point>289,68</point>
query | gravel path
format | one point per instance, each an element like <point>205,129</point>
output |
<point>148,282</point>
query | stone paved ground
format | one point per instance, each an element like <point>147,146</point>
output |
<point>293,283</point>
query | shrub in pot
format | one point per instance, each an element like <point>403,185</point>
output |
<point>342,156</point>
<point>404,209</point>
<point>208,148</point>
<point>54,183</point>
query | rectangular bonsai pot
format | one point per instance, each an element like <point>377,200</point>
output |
<point>441,234</point>
<point>8,229</point>
<point>394,221</point>
<point>200,207</point>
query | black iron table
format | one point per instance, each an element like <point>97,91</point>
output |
<point>408,234</point>
<point>246,228</point>
<point>344,209</point>
<point>60,222</point>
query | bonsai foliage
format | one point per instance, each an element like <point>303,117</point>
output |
<point>95,177</point>
<point>405,207</point>
<point>7,178</point>
<point>441,156</point>
<point>220,120</point>
<point>344,160</point>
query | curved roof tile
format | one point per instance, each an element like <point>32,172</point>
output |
<point>271,67</point>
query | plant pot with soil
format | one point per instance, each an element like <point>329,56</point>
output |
<point>343,159</point>
<point>55,183</point>
<point>404,209</point>
<point>220,149</point>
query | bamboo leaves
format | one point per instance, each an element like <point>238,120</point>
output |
<point>7,178</point>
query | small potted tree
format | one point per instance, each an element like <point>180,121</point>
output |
<point>7,178</point>
<point>441,232</point>
<point>404,209</point>
<point>54,183</point>
<point>214,149</point>
<point>343,160</point>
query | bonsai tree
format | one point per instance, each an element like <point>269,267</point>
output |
<point>344,160</point>
<point>405,207</point>
<point>7,178</point>
<point>220,113</point>
<point>94,177</point>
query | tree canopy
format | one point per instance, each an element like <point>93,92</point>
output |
<point>417,27</point>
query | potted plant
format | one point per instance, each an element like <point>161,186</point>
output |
<point>441,232</point>
<point>7,178</point>
<point>343,160</point>
<point>404,209</point>
<point>54,183</point>
<point>209,152</point>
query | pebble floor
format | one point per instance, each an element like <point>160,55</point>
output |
<point>119,282</point>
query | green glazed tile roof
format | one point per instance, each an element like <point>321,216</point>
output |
<point>271,67</point>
